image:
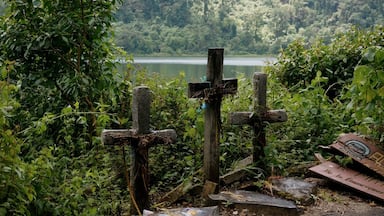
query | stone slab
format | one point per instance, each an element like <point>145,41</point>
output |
<point>257,203</point>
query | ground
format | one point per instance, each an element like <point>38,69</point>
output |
<point>335,202</point>
<point>330,201</point>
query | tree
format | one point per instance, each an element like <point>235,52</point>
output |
<point>60,58</point>
<point>62,55</point>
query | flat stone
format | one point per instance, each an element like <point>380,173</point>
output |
<point>257,203</point>
<point>205,211</point>
<point>295,189</point>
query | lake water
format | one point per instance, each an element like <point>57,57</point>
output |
<point>195,67</point>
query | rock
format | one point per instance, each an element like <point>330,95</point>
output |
<point>295,189</point>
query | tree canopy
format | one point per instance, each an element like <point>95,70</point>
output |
<point>242,27</point>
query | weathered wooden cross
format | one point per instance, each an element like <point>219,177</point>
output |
<point>259,117</point>
<point>212,91</point>
<point>140,138</point>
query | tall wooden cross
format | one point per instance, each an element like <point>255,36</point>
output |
<point>258,118</point>
<point>212,91</point>
<point>140,138</point>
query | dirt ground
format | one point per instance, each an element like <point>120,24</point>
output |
<point>332,202</point>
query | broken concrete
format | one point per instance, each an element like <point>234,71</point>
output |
<point>295,189</point>
<point>256,203</point>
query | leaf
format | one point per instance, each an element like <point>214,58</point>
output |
<point>65,39</point>
<point>380,92</point>
<point>370,95</point>
<point>4,73</point>
<point>360,74</point>
<point>379,57</point>
<point>380,75</point>
<point>66,110</point>
<point>350,105</point>
<point>81,120</point>
<point>370,54</point>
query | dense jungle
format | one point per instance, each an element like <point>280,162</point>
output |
<point>61,86</point>
<point>261,27</point>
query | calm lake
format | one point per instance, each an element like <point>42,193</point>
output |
<point>195,67</point>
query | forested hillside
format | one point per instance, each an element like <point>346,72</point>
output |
<point>240,26</point>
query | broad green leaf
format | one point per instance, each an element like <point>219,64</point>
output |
<point>370,95</point>
<point>360,74</point>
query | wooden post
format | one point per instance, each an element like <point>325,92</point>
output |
<point>140,138</point>
<point>259,117</point>
<point>212,91</point>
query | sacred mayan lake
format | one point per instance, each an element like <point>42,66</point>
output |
<point>195,67</point>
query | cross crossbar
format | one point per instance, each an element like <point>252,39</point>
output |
<point>205,89</point>
<point>129,136</point>
<point>271,116</point>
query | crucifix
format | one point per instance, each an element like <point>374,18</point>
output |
<point>139,138</point>
<point>212,92</point>
<point>259,117</point>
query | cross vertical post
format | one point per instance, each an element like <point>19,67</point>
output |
<point>212,92</point>
<point>258,118</point>
<point>260,107</point>
<point>140,138</point>
<point>139,177</point>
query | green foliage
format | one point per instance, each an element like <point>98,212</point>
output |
<point>313,120</point>
<point>59,57</point>
<point>367,92</point>
<point>16,190</point>
<point>241,26</point>
<point>300,62</point>
<point>236,141</point>
<point>62,55</point>
<point>353,63</point>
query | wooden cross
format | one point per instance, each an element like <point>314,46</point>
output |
<point>212,91</point>
<point>259,117</point>
<point>140,138</point>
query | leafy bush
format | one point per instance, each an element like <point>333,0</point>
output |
<point>313,120</point>
<point>16,189</point>
<point>367,93</point>
<point>299,63</point>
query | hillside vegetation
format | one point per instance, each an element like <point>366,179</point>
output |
<point>177,27</point>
